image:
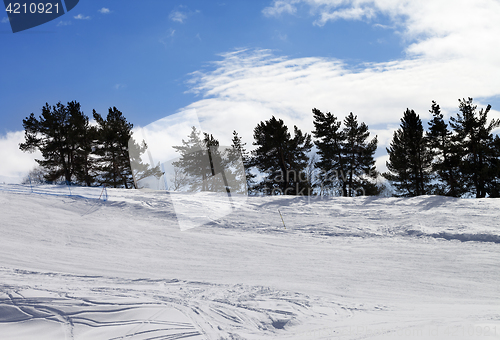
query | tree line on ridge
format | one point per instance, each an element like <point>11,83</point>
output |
<point>460,158</point>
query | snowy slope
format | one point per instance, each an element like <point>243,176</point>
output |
<point>77,267</point>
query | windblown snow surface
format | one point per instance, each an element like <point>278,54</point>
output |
<point>77,267</point>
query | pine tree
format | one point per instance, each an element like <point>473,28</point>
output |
<point>242,175</point>
<point>446,153</point>
<point>114,161</point>
<point>476,140</point>
<point>219,165</point>
<point>409,158</point>
<point>205,163</point>
<point>493,186</point>
<point>359,160</point>
<point>84,137</point>
<point>140,170</point>
<point>282,158</point>
<point>194,161</point>
<point>329,142</point>
<point>57,133</point>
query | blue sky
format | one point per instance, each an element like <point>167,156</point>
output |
<point>139,55</point>
<point>239,62</point>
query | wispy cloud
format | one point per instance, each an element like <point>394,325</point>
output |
<point>281,6</point>
<point>81,17</point>
<point>327,10</point>
<point>384,26</point>
<point>120,86</point>
<point>449,57</point>
<point>63,23</point>
<point>249,86</point>
<point>104,10</point>
<point>280,36</point>
<point>433,28</point>
<point>167,37</point>
<point>181,14</point>
<point>178,16</point>
<point>5,20</point>
<point>353,13</point>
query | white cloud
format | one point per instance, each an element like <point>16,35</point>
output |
<point>169,35</point>
<point>354,13</point>
<point>380,163</point>
<point>81,17</point>
<point>452,53</point>
<point>384,26</point>
<point>280,36</point>
<point>63,23</point>
<point>451,48</point>
<point>178,16</point>
<point>104,10</point>
<point>120,86</point>
<point>162,134</point>
<point>5,20</point>
<point>281,6</point>
<point>248,86</point>
<point>433,28</point>
<point>15,164</point>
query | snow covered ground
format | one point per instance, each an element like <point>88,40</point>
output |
<point>77,267</point>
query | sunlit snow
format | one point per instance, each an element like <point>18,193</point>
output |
<point>73,266</point>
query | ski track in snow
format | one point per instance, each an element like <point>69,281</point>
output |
<point>75,267</point>
<point>84,307</point>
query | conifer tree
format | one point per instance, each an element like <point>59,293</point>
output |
<point>359,160</point>
<point>493,186</point>
<point>282,158</point>
<point>211,145</point>
<point>204,162</point>
<point>409,158</point>
<point>193,161</point>
<point>329,140</point>
<point>240,153</point>
<point>84,137</point>
<point>477,142</point>
<point>141,170</point>
<point>57,133</point>
<point>446,155</point>
<point>219,165</point>
<point>114,161</point>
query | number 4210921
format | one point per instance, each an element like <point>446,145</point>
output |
<point>47,8</point>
